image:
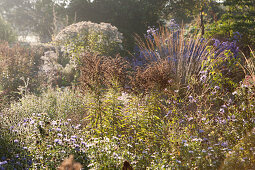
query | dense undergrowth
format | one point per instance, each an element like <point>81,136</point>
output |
<point>181,103</point>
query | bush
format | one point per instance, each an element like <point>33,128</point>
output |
<point>60,103</point>
<point>43,121</point>
<point>99,72</point>
<point>6,32</point>
<point>90,37</point>
<point>169,57</point>
<point>46,141</point>
<point>57,69</point>
<point>19,68</point>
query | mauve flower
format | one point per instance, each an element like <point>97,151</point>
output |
<point>58,141</point>
<point>73,137</point>
<point>234,93</point>
<point>59,134</point>
<point>3,163</point>
<point>222,110</point>
<point>217,87</point>
<point>201,131</point>
<point>54,123</point>
<point>32,122</point>
<point>216,43</point>
<point>16,141</point>
<point>224,144</point>
<point>83,143</point>
<point>184,141</point>
<point>41,123</point>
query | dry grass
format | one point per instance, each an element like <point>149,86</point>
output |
<point>70,164</point>
<point>249,69</point>
<point>171,57</point>
<point>100,71</point>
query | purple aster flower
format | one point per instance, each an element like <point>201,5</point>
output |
<point>224,144</point>
<point>78,126</point>
<point>201,131</point>
<point>32,122</point>
<point>184,141</point>
<point>73,137</point>
<point>190,118</point>
<point>58,141</point>
<point>217,87</point>
<point>222,110</point>
<point>3,163</point>
<point>54,123</point>
<point>59,134</point>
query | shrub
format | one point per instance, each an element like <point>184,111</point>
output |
<point>250,69</point>
<point>100,38</point>
<point>59,103</point>
<point>48,141</point>
<point>99,72</point>
<point>184,58</point>
<point>6,32</point>
<point>18,70</point>
<point>57,70</point>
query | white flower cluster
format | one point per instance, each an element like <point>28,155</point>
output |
<point>91,36</point>
<point>52,70</point>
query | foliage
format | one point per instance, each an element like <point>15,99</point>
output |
<point>129,16</point>
<point>169,58</point>
<point>42,135</point>
<point>90,37</point>
<point>18,70</point>
<point>41,17</point>
<point>58,103</point>
<point>99,72</point>
<point>237,19</point>
<point>196,13</point>
<point>57,69</point>
<point>175,106</point>
<point>250,69</point>
<point>6,32</point>
<point>17,156</point>
<point>48,141</point>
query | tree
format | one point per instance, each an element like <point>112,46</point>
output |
<point>6,32</point>
<point>39,16</point>
<point>238,20</point>
<point>129,16</point>
<point>185,11</point>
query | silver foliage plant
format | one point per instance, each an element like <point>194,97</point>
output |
<point>53,71</point>
<point>86,36</point>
